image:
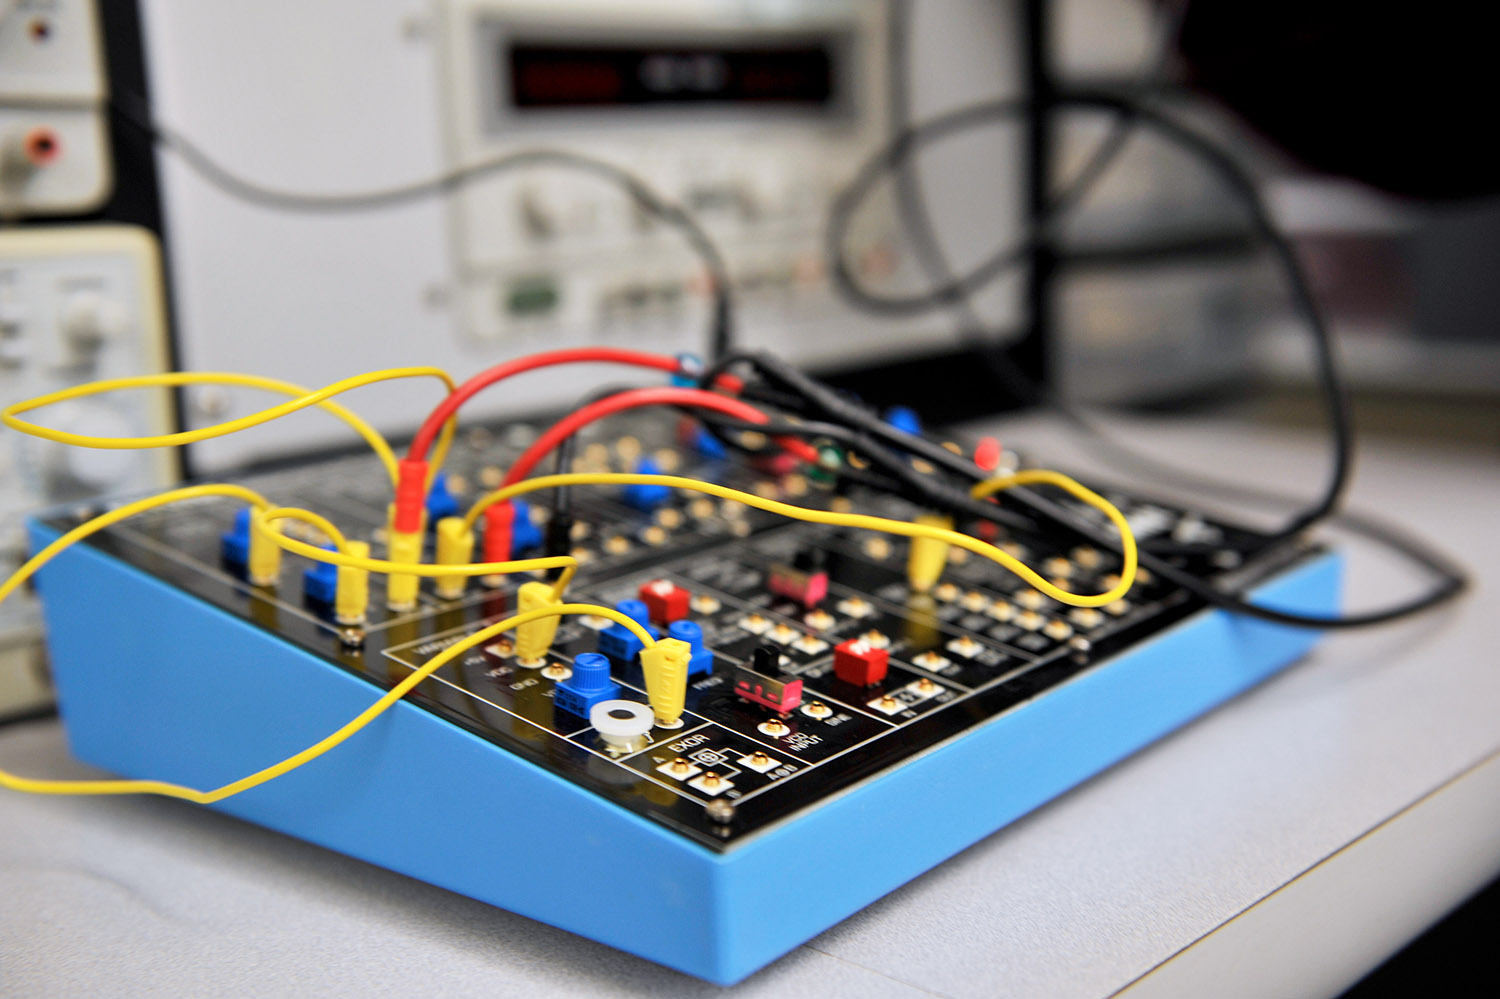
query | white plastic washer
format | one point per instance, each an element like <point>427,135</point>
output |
<point>622,723</point>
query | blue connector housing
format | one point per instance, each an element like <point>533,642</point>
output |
<point>236,543</point>
<point>524,534</point>
<point>708,445</point>
<point>702,660</point>
<point>440,501</point>
<point>321,581</point>
<point>589,684</point>
<point>646,498</point>
<point>904,418</point>
<point>618,642</point>
<point>689,370</point>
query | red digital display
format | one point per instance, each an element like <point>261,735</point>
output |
<point>789,72</point>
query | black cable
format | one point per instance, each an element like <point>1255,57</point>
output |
<point>1208,152</point>
<point>822,397</point>
<point>830,404</point>
<point>44,713</point>
<point>918,223</point>
<point>714,422</point>
<point>560,522</point>
<point>1110,449</point>
<point>827,432</point>
<point>721,365</point>
<point>827,401</point>
<point>916,218</point>
<point>858,427</point>
<point>133,109</point>
<point>899,476</point>
<point>563,456</point>
<point>1449,586</point>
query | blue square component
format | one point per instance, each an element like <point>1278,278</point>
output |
<point>646,497</point>
<point>589,684</point>
<point>524,534</point>
<point>440,500</point>
<point>617,641</point>
<point>702,660</point>
<point>708,445</point>
<point>321,581</point>
<point>236,542</point>
<point>904,418</point>
<point>689,370</point>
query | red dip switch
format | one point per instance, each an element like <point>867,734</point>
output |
<point>666,601</point>
<point>805,580</point>
<point>757,688</point>
<point>860,663</point>
<point>753,683</point>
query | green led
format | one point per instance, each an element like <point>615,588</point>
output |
<point>531,297</point>
<point>830,460</point>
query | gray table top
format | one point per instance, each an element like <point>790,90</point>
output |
<point>135,896</point>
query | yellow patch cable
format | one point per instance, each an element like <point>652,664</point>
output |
<point>317,520</point>
<point>128,510</point>
<point>1042,476</point>
<point>863,521</point>
<point>341,557</point>
<point>856,520</point>
<point>331,741</point>
<point>302,399</point>
<point>99,523</point>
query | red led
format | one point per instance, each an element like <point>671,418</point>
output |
<point>860,663</point>
<point>666,601</point>
<point>780,464</point>
<point>987,454</point>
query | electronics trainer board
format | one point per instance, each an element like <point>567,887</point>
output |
<point>842,733</point>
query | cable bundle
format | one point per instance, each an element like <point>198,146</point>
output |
<point>413,476</point>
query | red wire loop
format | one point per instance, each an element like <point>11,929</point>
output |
<point>634,399</point>
<point>430,428</point>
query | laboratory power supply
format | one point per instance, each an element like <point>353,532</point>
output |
<point>746,116</point>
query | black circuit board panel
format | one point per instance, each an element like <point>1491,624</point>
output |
<point>980,644</point>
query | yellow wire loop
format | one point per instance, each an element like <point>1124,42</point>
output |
<point>331,741</point>
<point>429,569</point>
<point>1041,476</point>
<point>112,517</point>
<point>859,520</point>
<point>317,520</point>
<point>302,399</point>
